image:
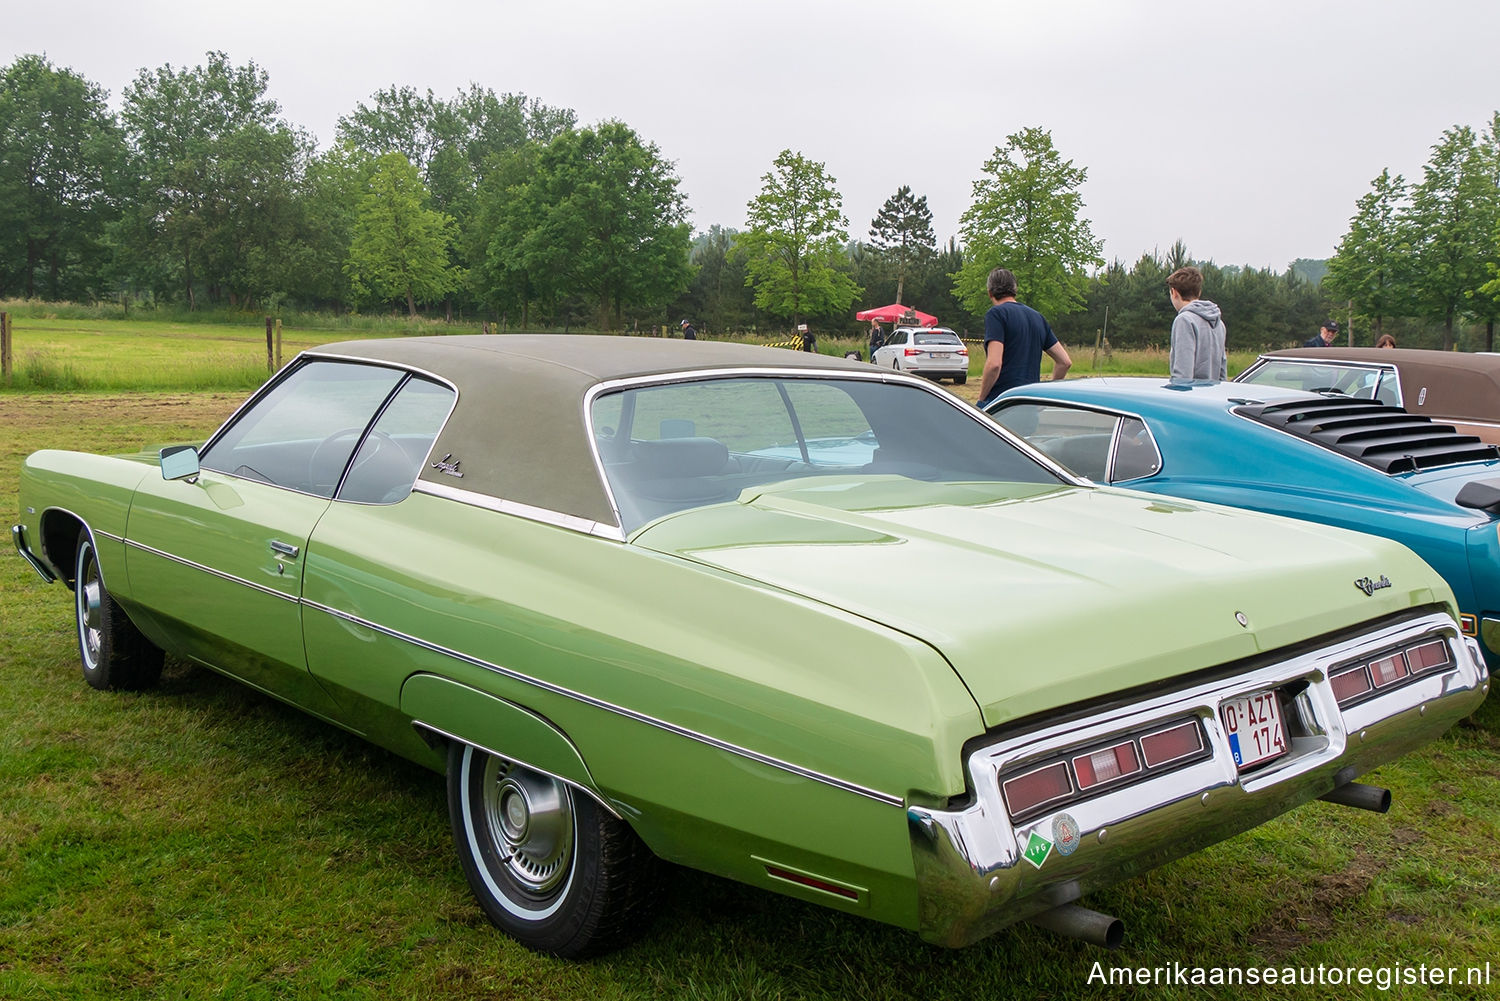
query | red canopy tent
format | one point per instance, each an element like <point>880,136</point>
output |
<point>896,313</point>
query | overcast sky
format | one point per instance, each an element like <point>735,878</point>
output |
<point>1247,130</point>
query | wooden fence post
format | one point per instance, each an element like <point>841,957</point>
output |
<point>270,355</point>
<point>278,344</point>
<point>5,347</point>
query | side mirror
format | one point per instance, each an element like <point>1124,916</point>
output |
<point>178,462</point>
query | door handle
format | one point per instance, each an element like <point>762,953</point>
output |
<point>290,552</point>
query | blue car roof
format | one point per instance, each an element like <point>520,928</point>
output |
<point>1231,409</point>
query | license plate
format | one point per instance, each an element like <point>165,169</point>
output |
<point>1253,724</point>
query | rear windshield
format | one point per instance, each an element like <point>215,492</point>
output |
<point>937,338</point>
<point>681,445</point>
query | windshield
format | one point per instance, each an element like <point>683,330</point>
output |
<point>1359,381</point>
<point>682,445</point>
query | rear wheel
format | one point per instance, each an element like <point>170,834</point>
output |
<point>113,651</point>
<point>959,380</point>
<point>548,865</point>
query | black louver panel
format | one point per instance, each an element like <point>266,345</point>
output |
<point>1385,437</point>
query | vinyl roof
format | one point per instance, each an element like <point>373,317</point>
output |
<point>519,429</point>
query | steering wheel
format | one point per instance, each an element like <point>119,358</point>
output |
<point>323,455</point>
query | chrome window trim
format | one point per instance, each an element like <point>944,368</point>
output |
<point>890,376</point>
<point>303,358</point>
<point>231,578</point>
<point>1120,416</point>
<point>557,519</point>
<point>681,731</point>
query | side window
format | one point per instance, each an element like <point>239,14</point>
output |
<point>1388,391</point>
<point>391,455</point>
<point>300,434</point>
<point>1136,454</point>
<point>1074,438</point>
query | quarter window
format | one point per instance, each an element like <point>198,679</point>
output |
<point>391,456</point>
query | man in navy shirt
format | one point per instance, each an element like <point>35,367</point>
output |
<point>1015,337</point>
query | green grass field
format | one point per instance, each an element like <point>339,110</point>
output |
<point>203,841</point>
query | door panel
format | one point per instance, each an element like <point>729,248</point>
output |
<point>222,559</point>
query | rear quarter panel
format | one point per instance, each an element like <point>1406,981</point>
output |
<point>607,642</point>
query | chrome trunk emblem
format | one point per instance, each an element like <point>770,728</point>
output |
<point>1370,585</point>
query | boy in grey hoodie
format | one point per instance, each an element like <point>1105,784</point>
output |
<point>1198,332</point>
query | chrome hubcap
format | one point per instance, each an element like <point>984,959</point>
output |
<point>88,594</point>
<point>530,819</point>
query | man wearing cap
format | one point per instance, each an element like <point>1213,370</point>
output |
<point>688,333</point>
<point>1325,335</point>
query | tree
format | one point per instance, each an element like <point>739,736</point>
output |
<point>606,220</point>
<point>717,294</point>
<point>60,151</point>
<point>902,234</point>
<point>452,143</point>
<point>1486,298</point>
<point>216,166</point>
<point>1025,216</point>
<point>793,246</point>
<point>400,246</point>
<point>1452,218</point>
<point>1369,266</point>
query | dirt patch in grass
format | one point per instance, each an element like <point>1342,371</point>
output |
<point>1311,909</point>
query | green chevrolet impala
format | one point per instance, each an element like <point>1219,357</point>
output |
<point>793,620</point>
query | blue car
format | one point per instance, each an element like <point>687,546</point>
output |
<point>1325,458</point>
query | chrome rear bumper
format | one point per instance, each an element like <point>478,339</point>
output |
<point>973,878</point>
<point>18,536</point>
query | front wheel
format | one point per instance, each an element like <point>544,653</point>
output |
<point>548,865</point>
<point>112,649</point>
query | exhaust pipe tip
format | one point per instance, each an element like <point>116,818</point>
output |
<point>1360,795</point>
<point>1079,922</point>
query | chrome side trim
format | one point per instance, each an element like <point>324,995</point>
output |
<point>231,578</point>
<point>18,537</point>
<point>527,511</point>
<point>639,717</point>
<point>969,861</point>
<point>595,796</point>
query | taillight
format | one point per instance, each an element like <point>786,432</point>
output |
<point>1387,670</point>
<point>1356,681</point>
<point>1035,789</point>
<point>1173,744</point>
<point>1427,656</point>
<point>912,351</point>
<point>1083,773</point>
<point>964,352</point>
<point>1100,767</point>
<point>1350,684</point>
